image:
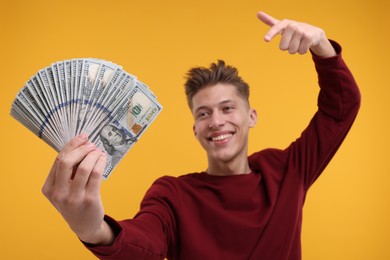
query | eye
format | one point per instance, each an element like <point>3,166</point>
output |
<point>227,108</point>
<point>202,114</point>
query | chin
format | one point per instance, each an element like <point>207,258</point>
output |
<point>222,157</point>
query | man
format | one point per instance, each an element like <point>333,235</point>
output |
<point>240,207</point>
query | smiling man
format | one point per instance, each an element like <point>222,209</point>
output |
<point>222,115</point>
<point>238,208</point>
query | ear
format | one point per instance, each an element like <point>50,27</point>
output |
<point>252,118</point>
<point>194,130</point>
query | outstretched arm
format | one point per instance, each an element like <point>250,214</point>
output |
<point>297,37</point>
<point>73,187</point>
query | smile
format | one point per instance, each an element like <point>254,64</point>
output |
<point>220,137</point>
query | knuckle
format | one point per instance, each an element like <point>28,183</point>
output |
<point>63,161</point>
<point>89,200</point>
<point>83,170</point>
<point>292,26</point>
<point>58,197</point>
<point>69,202</point>
<point>286,21</point>
<point>73,201</point>
<point>305,34</point>
<point>302,51</point>
<point>96,174</point>
<point>284,46</point>
<point>74,142</point>
<point>302,32</point>
<point>46,190</point>
<point>59,157</point>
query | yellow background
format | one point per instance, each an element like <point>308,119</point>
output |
<point>346,215</point>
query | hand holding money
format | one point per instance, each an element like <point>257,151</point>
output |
<point>89,96</point>
<point>73,187</point>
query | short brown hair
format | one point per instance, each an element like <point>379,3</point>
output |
<point>200,77</point>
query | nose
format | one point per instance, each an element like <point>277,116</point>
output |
<point>216,120</point>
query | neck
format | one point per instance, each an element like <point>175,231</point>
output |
<point>234,167</point>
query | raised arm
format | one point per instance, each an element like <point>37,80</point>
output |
<point>338,100</point>
<point>73,187</point>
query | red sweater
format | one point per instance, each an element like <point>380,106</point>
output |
<point>250,216</point>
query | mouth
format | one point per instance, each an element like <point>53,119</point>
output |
<point>220,137</point>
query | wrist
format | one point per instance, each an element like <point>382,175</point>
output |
<point>104,236</point>
<point>323,49</point>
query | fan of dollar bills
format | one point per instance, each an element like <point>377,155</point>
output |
<point>91,96</point>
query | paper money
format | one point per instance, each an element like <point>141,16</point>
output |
<point>91,96</point>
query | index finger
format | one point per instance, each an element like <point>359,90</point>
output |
<point>74,143</point>
<point>274,23</point>
<point>267,19</point>
<point>51,178</point>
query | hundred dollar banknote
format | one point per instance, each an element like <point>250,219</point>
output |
<point>91,96</point>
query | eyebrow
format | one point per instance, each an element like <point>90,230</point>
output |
<point>218,104</point>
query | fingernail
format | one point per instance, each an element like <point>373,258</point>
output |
<point>90,144</point>
<point>83,136</point>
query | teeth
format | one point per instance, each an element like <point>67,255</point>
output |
<point>221,137</point>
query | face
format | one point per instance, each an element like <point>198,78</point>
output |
<point>113,135</point>
<point>222,122</point>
